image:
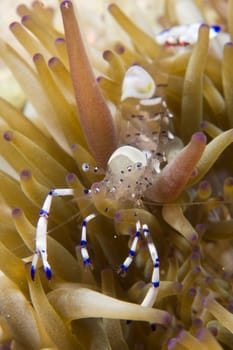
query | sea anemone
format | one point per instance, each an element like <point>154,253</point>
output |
<point>65,134</point>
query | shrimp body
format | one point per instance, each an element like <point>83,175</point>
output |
<point>183,35</point>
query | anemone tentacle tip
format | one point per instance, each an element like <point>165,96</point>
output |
<point>107,54</point>
<point>119,48</point>
<point>53,60</point>
<point>194,237</point>
<point>37,56</point>
<point>111,6</point>
<point>204,25</point>
<point>199,136</point>
<point>25,18</point>
<point>66,4</point>
<point>70,177</point>
<point>167,319</point>
<point>59,40</point>
<point>171,343</point>
<point>8,135</point>
<point>192,291</point>
<point>202,124</point>
<point>25,173</point>
<point>16,212</point>
<point>13,24</point>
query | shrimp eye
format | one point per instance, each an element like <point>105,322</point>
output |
<point>85,167</point>
<point>138,165</point>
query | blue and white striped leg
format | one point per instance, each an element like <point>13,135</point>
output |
<point>84,251</point>
<point>41,231</point>
<point>151,294</point>
<point>124,267</point>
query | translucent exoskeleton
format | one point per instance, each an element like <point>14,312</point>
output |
<point>183,35</point>
<point>129,174</point>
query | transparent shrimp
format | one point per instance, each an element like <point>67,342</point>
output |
<point>130,172</point>
<point>183,35</point>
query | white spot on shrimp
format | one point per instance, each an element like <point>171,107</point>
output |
<point>137,83</point>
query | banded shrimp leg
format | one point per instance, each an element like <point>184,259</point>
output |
<point>152,292</point>
<point>41,233</point>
